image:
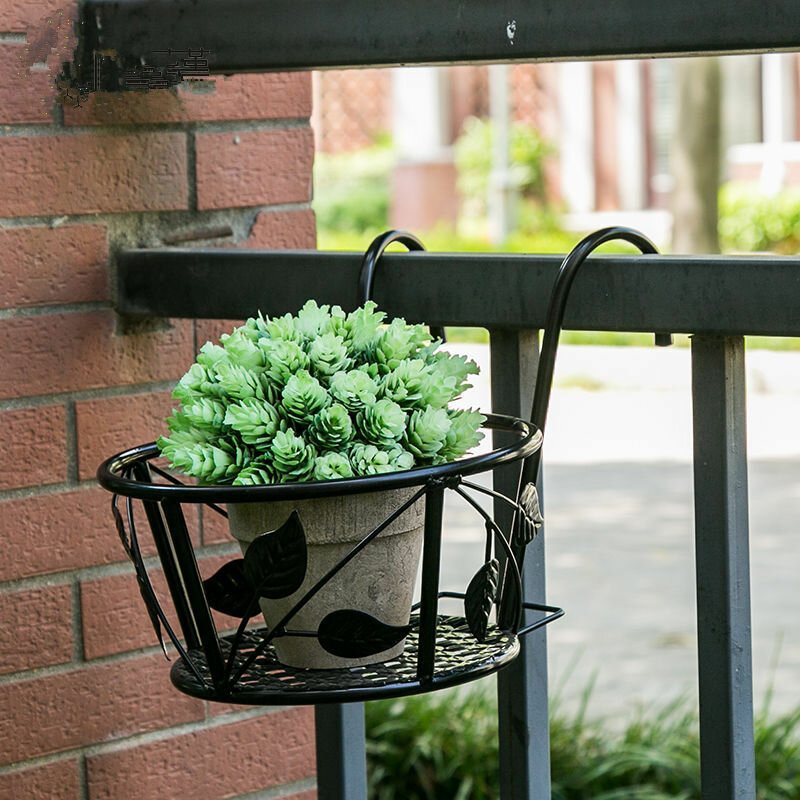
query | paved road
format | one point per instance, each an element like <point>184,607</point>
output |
<point>619,524</point>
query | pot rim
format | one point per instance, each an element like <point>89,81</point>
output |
<point>111,474</point>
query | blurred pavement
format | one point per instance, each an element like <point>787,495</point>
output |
<point>620,549</point>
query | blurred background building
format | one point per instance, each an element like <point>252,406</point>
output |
<point>603,135</point>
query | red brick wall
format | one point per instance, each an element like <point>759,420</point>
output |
<point>86,707</point>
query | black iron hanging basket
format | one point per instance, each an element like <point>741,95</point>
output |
<point>371,657</point>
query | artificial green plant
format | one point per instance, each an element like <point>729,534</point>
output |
<point>317,396</point>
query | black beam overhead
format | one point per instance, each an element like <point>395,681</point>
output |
<point>272,35</point>
<point>663,294</point>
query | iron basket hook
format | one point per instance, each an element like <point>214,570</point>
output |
<point>554,319</point>
<point>376,249</point>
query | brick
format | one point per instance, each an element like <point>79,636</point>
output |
<point>220,762</point>
<point>65,531</point>
<point>23,15</point>
<point>40,265</point>
<point>57,532</point>
<point>71,352</point>
<point>114,615</point>
<point>236,97</point>
<point>36,628</point>
<point>33,442</point>
<point>248,168</point>
<point>311,794</point>
<point>26,95</point>
<point>55,781</point>
<point>284,230</point>
<point>111,424</point>
<point>96,703</point>
<point>87,173</point>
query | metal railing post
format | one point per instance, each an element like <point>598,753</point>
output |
<point>524,726</point>
<point>727,759</point>
<point>341,752</point>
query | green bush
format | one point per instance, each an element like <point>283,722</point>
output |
<point>751,221</point>
<point>473,157</point>
<point>351,190</point>
<point>444,745</point>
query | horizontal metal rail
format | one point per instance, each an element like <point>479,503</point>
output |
<point>726,295</point>
<point>257,36</point>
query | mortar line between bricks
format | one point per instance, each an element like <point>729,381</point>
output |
<point>83,777</point>
<point>98,393</point>
<point>71,429</point>
<point>182,216</point>
<point>140,739</point>
<point>137,128</point>
<point>112,570</point>
<point>191,170</point>
<point>78,654</point>
<point>48,310</point>
<point>278,792</point>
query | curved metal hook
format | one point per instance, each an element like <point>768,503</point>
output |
<point>547,361</point>
<point>366,277</point>
<point>558,302</point>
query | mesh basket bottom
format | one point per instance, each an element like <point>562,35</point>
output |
<point>459,658</point>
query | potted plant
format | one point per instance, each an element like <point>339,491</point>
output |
<point>322,395</point>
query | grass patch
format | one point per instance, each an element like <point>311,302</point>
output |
<point>444,745</point>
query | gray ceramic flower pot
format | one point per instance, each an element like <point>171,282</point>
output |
<point>379,581</point>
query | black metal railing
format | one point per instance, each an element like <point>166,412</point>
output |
<point>717,299</point>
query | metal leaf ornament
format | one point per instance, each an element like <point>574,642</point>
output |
<point>532,514</point>
<point>229,590</point>
<point>480,597</point>
<point>353,634</point>
<point>275,562</point>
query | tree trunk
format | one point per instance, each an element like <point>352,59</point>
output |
<point>696,156</point>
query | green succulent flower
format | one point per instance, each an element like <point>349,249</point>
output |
<point>208,462</point>
<point>313,320</point>
<point>256,473</point>
<point>354,389</point>
<point>400,459</point>
<point>397,341</point>
<point>362,326</point>
<point>367,459</point>
<point>463,434</point>
<point>256,421</point>
<point>210,354</point>
<point>328,355</point>
<point>292,458</point>
<point>339,324</point>
<point>243,351</point>
<point>282,328</point>
<point>284,358</point>
<point>204,412</point>
<point>331,428</point>
<point>180,438</point>
<point>444,366</point>
<point>254,328</point>
<point>332,466</point>
<point>199,381</point>
<point>404,383</point>
<point>303,396</point>
<point>427,431</point>
<point>239,382</point>
<point>382,423</point>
